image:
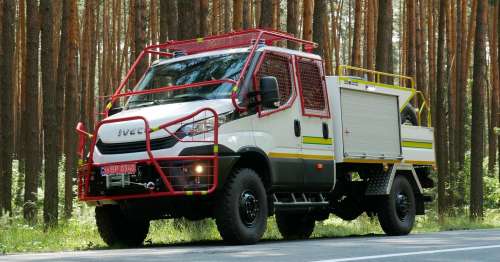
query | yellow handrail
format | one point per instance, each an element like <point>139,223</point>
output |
<point>424,105</point>
<point>377,75</point>
<point>402,80</point>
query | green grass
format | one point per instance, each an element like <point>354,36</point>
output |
<point>80,233</point>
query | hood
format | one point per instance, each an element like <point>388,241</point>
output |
<point>129,131</point>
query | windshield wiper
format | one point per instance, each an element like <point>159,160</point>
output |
<point>189,97</point>
<point>143,103</point>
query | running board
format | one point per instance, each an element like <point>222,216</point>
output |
<point>299,200</point>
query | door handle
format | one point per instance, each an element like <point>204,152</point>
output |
<point>325,131</point>
<point>296,127</point>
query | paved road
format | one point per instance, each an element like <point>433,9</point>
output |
<point>474,245</point>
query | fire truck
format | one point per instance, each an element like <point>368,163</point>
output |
<point>238,128</point>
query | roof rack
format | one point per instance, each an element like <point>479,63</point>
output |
<point>229,40</point>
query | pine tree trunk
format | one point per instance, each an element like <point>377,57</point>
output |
<point>370,21</point>
<point>237,15</point>
<point>431,44</point>
<point>195,17</point>
<point>7,95</point>
<point>164,14</point>
<point>22,121</point>
<point>215,17</point>
<point>140,36</point>
<point>71,108</point>
<point>93,23</point>
<point>291,21</point>
<point>459,84</point>
<point>247,14</point>
<point>267,13</point>
<point>275,24</point>
<point>258,11</point>
<point>492,137</point>
<point>61,76</point>
<point>471,32</point>
<point>356,41</point>
<point>203,18</point>
<point>420,56</point>
<point>33,164</point>
<point>441,131</point>
<point>477,127</point>
<point>172,18</point>
<point>336,9</point>
<point>307,28</point>
<point>51,191</point>
<point>153,23</point>
<point>318,26</point>
<point>384,37</point>
<point>227,16</point>
<point>498,76</point>
<point>411,39</point>
<point>84,61</point>
<point>452,97</point>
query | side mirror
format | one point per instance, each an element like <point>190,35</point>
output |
<point>269,92</point>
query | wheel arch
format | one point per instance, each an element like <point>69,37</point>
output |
<point>381,184</point>
<point>249,156</point>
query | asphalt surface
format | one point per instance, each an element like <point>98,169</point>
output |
<point>474,245</point>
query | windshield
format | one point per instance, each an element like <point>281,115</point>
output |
<point>216,67</point>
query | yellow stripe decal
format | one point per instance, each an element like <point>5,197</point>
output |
<point>416,144</point>
<point>189,193</point>
<point>154,129</point>
<point>417,162</point>
<point>199,40</point>
<point>216,148</point>
<point>300,156</point>
<point>109,106</point>
<point>316,140</point>
<point>371,161</point>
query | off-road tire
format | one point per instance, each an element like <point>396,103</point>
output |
<point>393,220</point>
<point>118,230</point>
<point>294,226</point>
<point>234,226</point>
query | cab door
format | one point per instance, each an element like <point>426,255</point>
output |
<point>275,129</point>
<point>316,125</point>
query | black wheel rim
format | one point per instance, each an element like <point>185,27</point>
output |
<point>402,205</point>
<point>249,208</point>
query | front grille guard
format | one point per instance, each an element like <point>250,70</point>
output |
<point>86,169</point>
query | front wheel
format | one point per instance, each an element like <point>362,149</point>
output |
<point>294,226</point>
<point>116,229</point>
<point>241,211</point>
<point>396,212</point>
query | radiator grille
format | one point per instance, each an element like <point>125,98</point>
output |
<point>134,147</point>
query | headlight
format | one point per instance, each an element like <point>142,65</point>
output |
<point>201,126</point>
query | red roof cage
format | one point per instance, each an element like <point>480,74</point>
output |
<point>246,38</point>
<point>231,40</point>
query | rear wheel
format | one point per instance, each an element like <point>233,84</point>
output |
<point>396,212</point>
<point>295,225</point>
<point>241,211</point>
<point>116,229</point>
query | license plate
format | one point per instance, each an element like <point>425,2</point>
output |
<point>118,169</point>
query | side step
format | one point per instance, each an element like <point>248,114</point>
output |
<point>299,200</point>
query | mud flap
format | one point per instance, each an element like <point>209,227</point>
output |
<point>380,184</point>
